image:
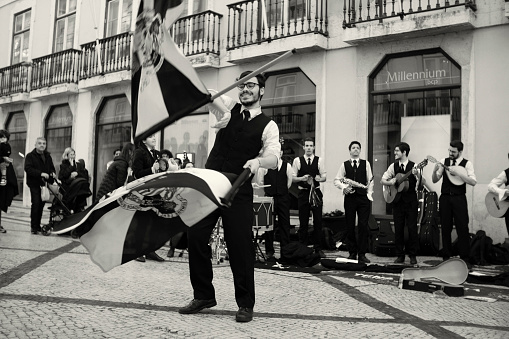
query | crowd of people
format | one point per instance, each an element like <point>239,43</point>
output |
<point>248,139</point>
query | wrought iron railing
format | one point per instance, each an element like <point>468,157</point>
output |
<point>288,123</point>
<point>310,122</point>
<point>357,11</point>
<point>198,33</point>
<point>56,68</point>
<point>255,21</point>
<point>14,79</point>
<point>108,55</point>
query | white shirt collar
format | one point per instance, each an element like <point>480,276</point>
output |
<point>253,111</point>
<point>403,163</point>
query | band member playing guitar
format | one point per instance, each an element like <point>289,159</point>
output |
<point>405,208</point>
<point>499,186</point>
<point>352,175</point>
<point>453,202</point>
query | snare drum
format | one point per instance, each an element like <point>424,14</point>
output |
<point>263,210</point>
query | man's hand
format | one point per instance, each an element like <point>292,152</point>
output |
<point>224,121</point>
<point>7,159</point>
<point>348,190</point>
<point>253,165</point>
<point>318,178</point>
<point>393,182</point>
<point>305,177</point>
<point>155,167</point>
<point>45,175</point>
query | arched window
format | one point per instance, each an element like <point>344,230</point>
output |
<point>113,130</point>
<point>58,132</point>
<point>290,100</point>
<point>415,98</point>
<point>17,127</point>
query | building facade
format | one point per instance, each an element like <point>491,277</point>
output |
<point>424,72</point>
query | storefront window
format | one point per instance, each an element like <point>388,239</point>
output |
<point>17,126</point>
<point>189,135</point>
<point>290,100</point>
<point>58,132</point>
<point>113,131</point>
<point>415,99</point>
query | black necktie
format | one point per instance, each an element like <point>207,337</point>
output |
<point>355,165</point>
<point>454,162</point>
<point>309,161</point>
<point>402,168</point>
<point>247,115</point>
<point>154,154</point>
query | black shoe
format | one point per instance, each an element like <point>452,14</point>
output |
<point>2,230</point>
<point>171,253</point>
<point>244,315</point>
<point>141,259</point>
<point>399,260</point>
<point>320,253</point>
<point>363,259</point>
<point>197,305</point>
<point>33,232</point>
<point>413,260</point>
<point>270,258</point>
<point>352,256</point>
<point>154,256</point>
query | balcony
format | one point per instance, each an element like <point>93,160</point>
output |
<point>388,20</point>
<point>288,123</point>
<point>14,83</point>
<point>106,60</point>
<point>198,37</point>
<point>55,73</point>
<point>259,29</point>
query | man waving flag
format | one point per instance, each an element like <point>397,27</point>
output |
<point>165,87</point>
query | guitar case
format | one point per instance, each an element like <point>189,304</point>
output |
<point>429,235</point>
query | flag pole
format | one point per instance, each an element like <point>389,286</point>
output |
<point>241,179</point>
<point>254,73</point>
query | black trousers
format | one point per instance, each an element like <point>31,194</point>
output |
<point>454,211</point>
<point>405,215</point>
<point>305,210</point>
<point>507,221</point>
<point>356,204</point>
<point>282,210</point>
<point>237,223</point>
<point>36,208</point>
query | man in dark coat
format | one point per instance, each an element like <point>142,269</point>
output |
<point>39,168</point>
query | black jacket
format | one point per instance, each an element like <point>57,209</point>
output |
<point>114,178</point>
<point>34,166</point>
<point>64,175</point>
<point>143,161</point>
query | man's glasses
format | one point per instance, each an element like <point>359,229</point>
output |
<point>249,85</point>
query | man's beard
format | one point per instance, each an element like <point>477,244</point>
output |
<point>249,102</point>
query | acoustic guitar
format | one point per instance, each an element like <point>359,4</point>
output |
<point>496,205</point>
<point>453,271</point>
<point>454,179</point>
<point>391,192</point>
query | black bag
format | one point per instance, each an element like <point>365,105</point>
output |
<point>498,255</point>
<point>429,235</point>
<point>328,242</point>
<point>385,241</point>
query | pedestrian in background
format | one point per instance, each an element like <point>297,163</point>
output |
<point>39,169</point>
<point>9,182</point>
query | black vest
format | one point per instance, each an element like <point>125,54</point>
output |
<point>447,186</point>
<point>278,181</point>
<point>359,175</point>
<point>237,143</point>
<point>307,169</point>
<point>410,194</point>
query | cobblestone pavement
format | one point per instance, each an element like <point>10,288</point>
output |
<point>49,288</point>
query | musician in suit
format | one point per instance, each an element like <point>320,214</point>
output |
<point>249,139</point>
<point>500,185</point>
<point>356,200</point>
<point>453,201</point>
<point>404,208</point>
<point>280,180</point>
<point>309,169</point>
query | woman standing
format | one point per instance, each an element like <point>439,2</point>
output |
<point>145,163</point>
<point>10,189</point>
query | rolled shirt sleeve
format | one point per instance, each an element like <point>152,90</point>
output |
<point>497,185</point>
<point>270,141</point>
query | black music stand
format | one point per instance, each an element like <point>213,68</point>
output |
<point>263,221</point>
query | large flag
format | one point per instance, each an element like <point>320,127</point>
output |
<point>143,215</point>
<point>165,86</point>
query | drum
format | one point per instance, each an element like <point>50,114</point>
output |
<point>263,214</point>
